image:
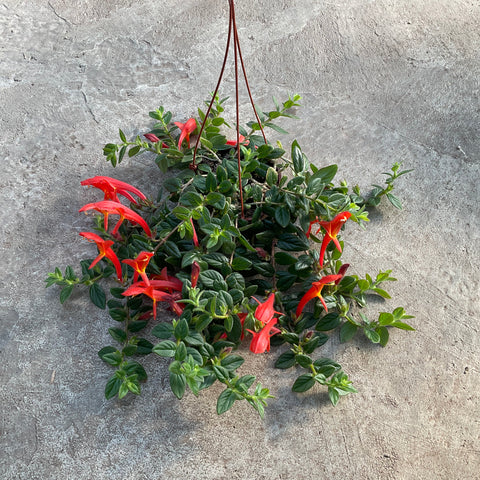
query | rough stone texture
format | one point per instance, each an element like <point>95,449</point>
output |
<point>382,81</point>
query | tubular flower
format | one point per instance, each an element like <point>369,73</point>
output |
<point>195,236</point>
<point>112,187</point>
<point>242,317</point>
<point>105,250</point>
<point>233,143</point>
<point>174,284</point>
<point>107,207</point>
<point>139,265</point>
<point>151,137</point>
<point>261,340</point>
<point>185,130</point>
<point>315,291</point>
<point>331,231</point>
<point>156,291</point>
<point>341,272</point>
<point>195,273</point>
<point>265,312</point>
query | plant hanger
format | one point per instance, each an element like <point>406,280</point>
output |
<point>232,26</point>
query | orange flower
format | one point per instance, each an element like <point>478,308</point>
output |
<point>264,312</point>
<point>261,340</point>
<point>111,187</point>
<point>159,291</point>
<point>331,231</point>
<point>107,207</point>
<point>315,291</point>
<point>185,130</point>
<point>139,265</point>
<point>233,143</point>
<point>105,250</point>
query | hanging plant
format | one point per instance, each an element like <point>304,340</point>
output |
<point>242,245</point>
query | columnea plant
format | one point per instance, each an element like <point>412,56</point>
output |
<point>229,247</point>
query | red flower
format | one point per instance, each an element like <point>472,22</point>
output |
<point>195,237</point>
<point>265,312</point>
<point>341,271</point>
<point>151,137</point>
<point>195,273</point>
<point>140,265</point>
<point>112,187</point>
<point>242,317</point>
<point>158,291</point>
<point>185,130</point>
<point>105,250</point>
<point>261,340</point>
<point>315,291</point>
<point>233,143</point>
<point>107,207</point>
<point>169,282</point>
<point>331,231</point>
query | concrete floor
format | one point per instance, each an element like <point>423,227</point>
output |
<point>382,81</point>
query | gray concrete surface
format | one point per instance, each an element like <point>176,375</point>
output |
<point>382,81</point>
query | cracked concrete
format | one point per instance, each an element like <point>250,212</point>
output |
<point>382,81</point>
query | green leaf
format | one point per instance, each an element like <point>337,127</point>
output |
<point>317,341</point>
<point>165,349</point>
<point>117,292</point>
<point>112,387</point>
<point>118,334</point>
<point>303,360</point>
<point>299,163</point>
<point>211,279</point>
<point>271,177</point>
<point>245,382</point>
<point>114,358</point>
<point>303,383</point>
<point>194,338</point>
<point>328,322</point>
<point>347,332</point>
<point>221,373</point>
<point>191,199</point>
<point>282,216</point>
<point>334,395</point>
<point>163,330</point>
<point>136,326</point>
<point>284,258</point>
<point>285,360</point>
<point>241,263</point>
<point>325,174</point>
<point>181,329</point>
<point>105,351</point>
<point>384,335</point>
<point>181,352</point>
<point>385,318</point>
<point>216,200</point>
<point>226,400</point>
<point>66,292</point>
<point>381,292</point>
<point>178,384</point>
<point>232,362</point>
<point>210,183</point>
<point>395,201</point>
<point>134,150</point>
<point>372,335</point>
<point>402,326</point>
<point>292,243</point>
<point>97,295</point>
